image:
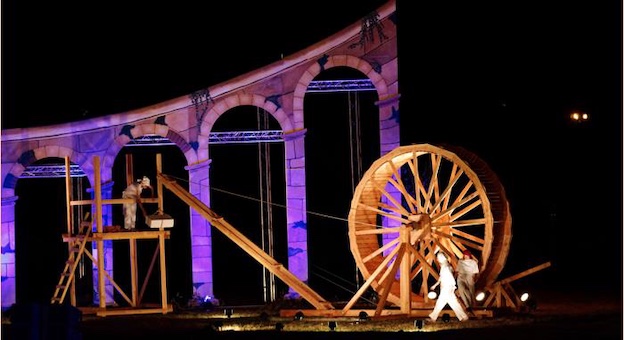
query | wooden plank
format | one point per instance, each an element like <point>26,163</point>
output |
<point>163,275</point>
<point>386,313</point>
<point>99,228</point>
<point>134,272</point>
<point>115,201</point>
<point>525,273</point>
<point>247,245</point>
<point>133,311</point>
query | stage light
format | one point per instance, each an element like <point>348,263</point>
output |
<point>418,323</point>
<point>579,117</point>
<point>432,295</point>
<point>363,316</point>
<point>480,296</point>
<point>279,326</point>
<point>299,316</point>
<point>446,317</point>
<point>332,325</point>
<point>228,312</point>
<point>528,302</point>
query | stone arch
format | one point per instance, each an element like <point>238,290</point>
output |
<point>240,99</point>
<point>141,130</point>
<point>334,61</point>
<point>31,156</point>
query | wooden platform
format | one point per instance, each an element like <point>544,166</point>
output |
<point>124,235</point>
<point>386,313</point>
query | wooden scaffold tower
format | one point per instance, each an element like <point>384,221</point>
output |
<point>78,238</point>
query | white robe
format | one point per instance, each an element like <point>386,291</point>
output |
<point>447,295</point>
<point>466,271</point>
<point>129,209</point>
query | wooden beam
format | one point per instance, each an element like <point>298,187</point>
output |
<point>246,244</point>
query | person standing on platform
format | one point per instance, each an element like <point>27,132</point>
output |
<point>467,272</point>
<point>129,209</point>
<point>447,295</point>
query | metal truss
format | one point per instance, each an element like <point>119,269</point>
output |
<point>246,136</point>
<point>51,171</point>
<point>341,85</point>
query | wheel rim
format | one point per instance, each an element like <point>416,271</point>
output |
<point>430,196</point>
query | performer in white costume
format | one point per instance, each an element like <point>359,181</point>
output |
<point>129,209</point>
<point>467,271</point>
<point>447,291</point>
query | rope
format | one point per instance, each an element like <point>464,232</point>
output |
<point>259,200</point>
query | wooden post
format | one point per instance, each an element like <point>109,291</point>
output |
<point>100,228</point>
<point>405,278</point>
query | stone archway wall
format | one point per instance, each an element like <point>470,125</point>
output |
<point>278,88</point>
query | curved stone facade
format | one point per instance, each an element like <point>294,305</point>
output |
<point>278,88</point>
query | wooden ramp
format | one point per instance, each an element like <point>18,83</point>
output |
<point>247,245</point>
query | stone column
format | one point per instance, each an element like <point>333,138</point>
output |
<point>8,252</point>
<point>389,139</point>
<point>201,237</point>
<point>107,220</point>
<point>296,205</point>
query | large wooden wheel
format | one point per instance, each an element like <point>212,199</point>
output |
<point>418,200</point>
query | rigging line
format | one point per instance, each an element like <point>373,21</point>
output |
<point>355,137</point>
<point>341,287</point>
<point>265,285</point>
<point>257,200</point>
<point>334,275</point>
<point>351,152</point>
<point>281,205</point>
<point>333,282</point>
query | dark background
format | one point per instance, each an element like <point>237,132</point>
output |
<point>499,79</point>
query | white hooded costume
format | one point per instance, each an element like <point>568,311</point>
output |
<point>467,270</point>
<point>447,291</point>
<point>129,209</point>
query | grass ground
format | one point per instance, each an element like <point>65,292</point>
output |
<point>558,317</point>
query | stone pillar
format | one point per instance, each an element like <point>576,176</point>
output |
<point>389,132</point>
<point>8,252</point>
<point>107,220</point>
<point>389,139</point>
<point>201,237</point>
<point>296,205</point>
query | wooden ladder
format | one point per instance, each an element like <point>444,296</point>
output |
<point>75,253</point>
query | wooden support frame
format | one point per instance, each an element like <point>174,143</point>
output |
<point>502,295</point>
<point>100,236</point>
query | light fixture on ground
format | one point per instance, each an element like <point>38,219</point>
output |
<point>299,316</point>
<point>332,325</point>
<point>528,302</point>
<point>363,316</point>
<point>264,316</point>
<point>418,323</point>
<point>279,326</point>
<point>228,312</point>
<point>446,317</point>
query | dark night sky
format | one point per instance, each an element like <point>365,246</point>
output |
<point>499,79</point>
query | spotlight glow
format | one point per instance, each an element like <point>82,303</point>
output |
<point>480,296</point>
<point>432,295</point>
<point>524,297</point>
